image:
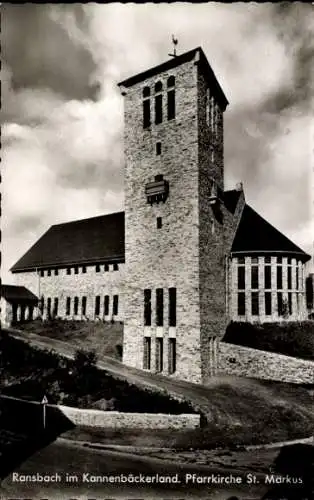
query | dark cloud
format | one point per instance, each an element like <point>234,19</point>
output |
<point>41,53</point>
<point>293,24</point>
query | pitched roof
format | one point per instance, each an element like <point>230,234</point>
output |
<point>101,239</point>
<point>231,199</point>
<point>14,293</point>
<point>86,241</point>
<point>256,235</point>
<point>173,63</point>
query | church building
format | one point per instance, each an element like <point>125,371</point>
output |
<point>185,257</point>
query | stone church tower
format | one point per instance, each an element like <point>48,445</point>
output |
<point>175,296</point>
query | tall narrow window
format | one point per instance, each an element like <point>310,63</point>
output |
<point>97,305</point>
<point>76,304</point>
<point>84,300</point>
<point>159,307</point>
<point>49,272</point>
<point>268,308</point>
<point>172,306</point>
<point>68,306</point>
<point>146,107</point>
<point>97,268</point>
<point>106,268</point>
<point>159,354</point>
<point>254,277</point>
<point>255,304</point>
<point>68,270</point>
<point>76,270</point>
<point>147,307</point>
<point>290,303</point>
<point>106,305</point>
<point>158,103</point>
<point>159,222</point>
<point>241,304</point>
<point>289,277</point>
<point>49,307</point>
<point>42,273</point>
<point>267,277</point>
<point>241,277</point>
<point>116,267</point>
<point>279,277</point>
<point>147,353</point>
<point>171,103</point>
<point>115,306</point>
<point>55,306</point>
<point>172,355</point>
<point>56,272</point>
<point>158,148</point>
<point>83,269</point>
<point>280,303</point>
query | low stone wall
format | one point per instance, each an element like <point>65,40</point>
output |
<point>247,362</point>
<point>116,420</point>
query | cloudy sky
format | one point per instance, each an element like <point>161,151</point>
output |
<point>62,121</point>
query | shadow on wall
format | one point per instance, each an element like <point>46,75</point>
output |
<point>22,431</point>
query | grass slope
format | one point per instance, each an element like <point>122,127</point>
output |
<point>104,338</point>
<point>292,339</point>
<point>237,410</point>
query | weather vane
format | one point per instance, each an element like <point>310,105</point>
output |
<point>175,43</point>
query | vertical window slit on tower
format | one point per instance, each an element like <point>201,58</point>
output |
<point>172,306</point>
<point>147,307</point>
<point>68,306</point>
<point>158,148</point>
<point>49,307</point>
<point>97,305</point>
<point>106,305</point>
<point>159,222</point>
<point>76,304</point>
<point>159,354</point>
<point>158,103</point>
<point>171,102</point>
<point>159,307</point>
<point>55,306</point>
<point>115,306</point>
<point>146,107</point>
<point>84,306</point>
<point>172,355</point>
<point>147,353</point>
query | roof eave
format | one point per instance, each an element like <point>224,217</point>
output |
<point>105,260</point>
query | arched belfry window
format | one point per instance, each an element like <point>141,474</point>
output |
<point>171,100</point>
<point>158,102</point>
<point>146,107</point>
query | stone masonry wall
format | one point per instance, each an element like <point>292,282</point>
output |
<point>89,284</point>
<point>211,232</point>
<point>247,362</point>
<point>166,257</point>
<point>118,420</point>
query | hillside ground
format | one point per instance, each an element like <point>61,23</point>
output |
<point>236,410</point>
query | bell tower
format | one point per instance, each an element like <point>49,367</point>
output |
<point>174,245</point>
